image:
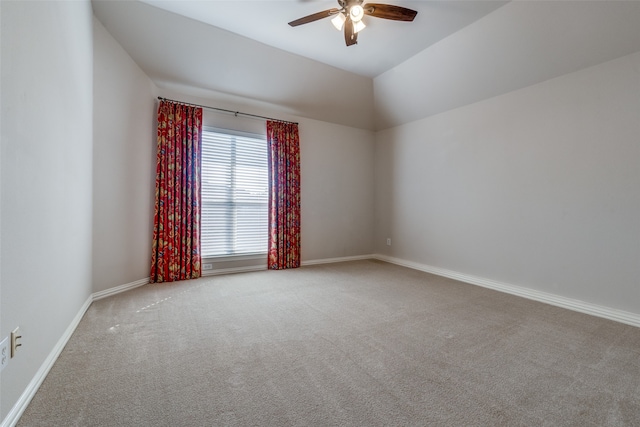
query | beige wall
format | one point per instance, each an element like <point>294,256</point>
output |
<point>536,188</point>
<point>46,181</point>
<point>336,176</point>
<point>337,190</point>
<point>123,165</point>
<point>336,165</point>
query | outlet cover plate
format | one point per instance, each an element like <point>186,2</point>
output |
<point>5,354</point>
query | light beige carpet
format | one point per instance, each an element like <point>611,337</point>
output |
<point>351,344</point>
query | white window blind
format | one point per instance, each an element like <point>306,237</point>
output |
<point>235,193</point>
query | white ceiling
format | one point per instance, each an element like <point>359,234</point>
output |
<point>180,53</point>
<point>381,46</point>
<point>520,44</point>
<point>454,53</point>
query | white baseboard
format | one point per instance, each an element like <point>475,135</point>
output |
<point>119,289</point>
<point>18,409</point>
<point>626,317</point>
<point>333,260</point>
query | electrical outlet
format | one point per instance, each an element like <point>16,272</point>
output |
<point>4,353</point>
<point>16,341</point>
<point>207,267</point>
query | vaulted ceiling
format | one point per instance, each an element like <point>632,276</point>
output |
<point>381,46</point>
<point>453,54</point>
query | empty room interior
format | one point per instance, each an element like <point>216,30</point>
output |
<point>468,221</point>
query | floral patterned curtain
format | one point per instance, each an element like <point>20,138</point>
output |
<point>284,195</point>
<point>176,234</point>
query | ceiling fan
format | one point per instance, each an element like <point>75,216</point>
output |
<point>350,15</point>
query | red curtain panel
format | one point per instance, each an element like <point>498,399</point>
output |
<point>176,234</point>
<point>284,195</point>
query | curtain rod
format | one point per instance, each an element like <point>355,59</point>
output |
<point>236,113</point>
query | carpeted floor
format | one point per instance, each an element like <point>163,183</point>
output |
<point>351,344</point>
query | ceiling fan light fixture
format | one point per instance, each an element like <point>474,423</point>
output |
<point>350,14</point>
<point>358,26</point>
<point>356,12</point>
<point>338,21</point>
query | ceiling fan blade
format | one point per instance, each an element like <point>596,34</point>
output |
<point>350,36</point>
<point>314,17</point>
<point>388,11</point>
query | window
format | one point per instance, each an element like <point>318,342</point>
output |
<point>235,191</point>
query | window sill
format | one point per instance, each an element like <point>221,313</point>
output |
<point>225,258</point>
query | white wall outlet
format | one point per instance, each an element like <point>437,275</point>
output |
<point>207,267</point>
<point>4,353</point>
<point>16,341</point>
<point>388,241</point>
